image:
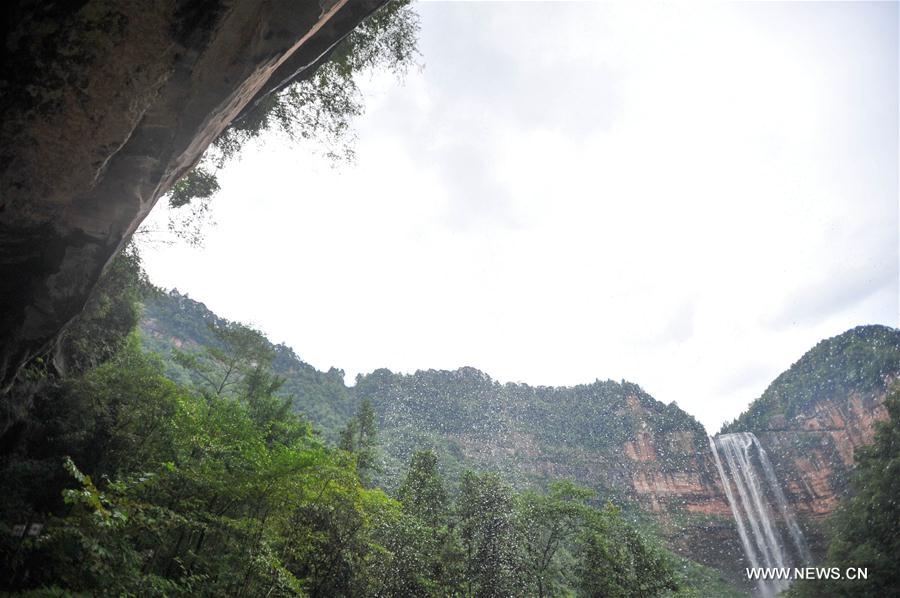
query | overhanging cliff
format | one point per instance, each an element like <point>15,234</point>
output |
<point>105,104</point>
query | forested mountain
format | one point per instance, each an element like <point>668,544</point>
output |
<point>198,457</point>
<point>865,530</point>
<point>855,365</point>
<point>650,457</point>
<point>816,416</point>
<point>606,432</point>
<point>174,321</point>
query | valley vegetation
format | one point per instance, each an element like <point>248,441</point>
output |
<point>122,481</point>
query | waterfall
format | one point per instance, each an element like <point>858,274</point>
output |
<point>752,490</point>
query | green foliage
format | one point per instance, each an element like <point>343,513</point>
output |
<point>438,551</point>
<point>191,195</point>
<point>198,183</point>
<point>360,437</point>
<point>320,105</point>
<point>865,530</point>
<point>237,350</point>
<point>616,562</point>
<point>108,421</point>
<point>111,312</point>
<point>487,533</point>
<point>422,492</point>
<point>698,581</point>
<point>174,325</point>
<point>226,493</point>
<point>548,524</point>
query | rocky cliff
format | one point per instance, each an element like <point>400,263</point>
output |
<point>815,452</point>
<point>105,104</point>
<point>815,415</point>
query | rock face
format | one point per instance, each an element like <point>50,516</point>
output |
<point>105,104</point>
<point>815,452</point>
<point>813,456</point>
<point>814,417</point>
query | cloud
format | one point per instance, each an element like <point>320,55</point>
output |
<point>840,291</point>
<point>680,326</point>
<point>686,196</point>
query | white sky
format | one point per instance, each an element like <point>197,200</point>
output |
<point>687,197</point>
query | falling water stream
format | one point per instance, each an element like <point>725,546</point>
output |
<point>752,490</point>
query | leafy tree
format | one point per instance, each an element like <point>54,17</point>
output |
<point>424,498</point>
<point>270,412</point>
<point>347,440</point>
<point>360,437</point>
<point>221,367</point>
<point>111,313</point>
<point>488,535</point>
<point>321,105</point>
<point>196,184</point>
<point>548,523</point>
<point>422,492</point>
<point>173,319</point>
<point>109,420</point>
<point>409,568</point>
<point>614,561</point>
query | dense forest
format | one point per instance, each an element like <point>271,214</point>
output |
<point>124,481</point>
